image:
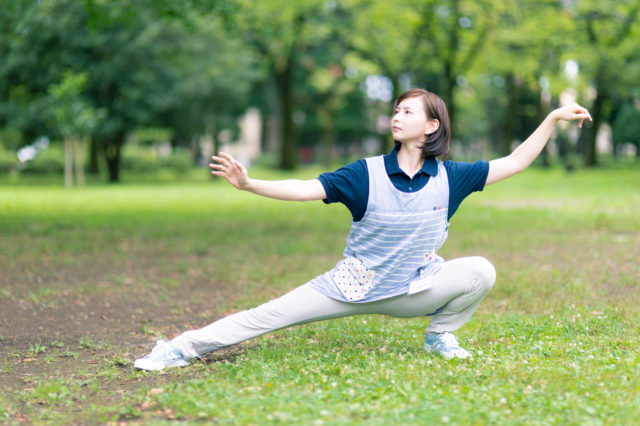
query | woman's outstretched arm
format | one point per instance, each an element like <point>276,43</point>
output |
<point>527,151</point>
<point>290,190</point>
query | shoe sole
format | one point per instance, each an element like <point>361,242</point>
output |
<point>142,364</point>
<point>431,349</point>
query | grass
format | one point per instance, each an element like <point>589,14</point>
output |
<point>556,341</point>
<point>531,370</point>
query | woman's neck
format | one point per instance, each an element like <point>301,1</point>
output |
<point>410,158</point>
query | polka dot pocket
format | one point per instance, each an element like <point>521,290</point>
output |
<point>353,279</point>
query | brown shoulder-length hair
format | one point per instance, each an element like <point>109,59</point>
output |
<point>437,143</point>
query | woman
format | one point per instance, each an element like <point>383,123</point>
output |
<point>401,204</point>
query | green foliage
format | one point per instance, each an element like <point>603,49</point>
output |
<point>51,392</point>
<point>119,361</point>
<point>106,68</point>
<point>10,138</point>
<point>8,161</point>
<point>72,115</point>
<point>6,411</point>
<point>47,161</point>
<point>141,159</point>
<point>109,67</point>
<point>626,128</point>
<point>179,160</point>
<point>37,349</point>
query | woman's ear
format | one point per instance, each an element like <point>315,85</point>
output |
<point>432,126</point>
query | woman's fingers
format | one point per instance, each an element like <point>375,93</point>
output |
<point>226,157</point>
<point>226,166</point>
<point>221,164</point>
<point>581,116</point>
<point>220,160</point>
<point>226,161</point>
<point>217,166</point>
<point>575,112</point>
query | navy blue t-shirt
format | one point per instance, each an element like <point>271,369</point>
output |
<point>350,184</point>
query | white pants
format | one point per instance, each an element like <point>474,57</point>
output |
<point>456,292</point>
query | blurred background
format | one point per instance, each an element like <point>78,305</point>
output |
<point>95,89</point>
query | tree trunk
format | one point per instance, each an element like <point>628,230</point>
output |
<point>196,151</point>
<point>395,83</point>
<point>112,155</point>
<point>450,66</point>
<point>327,119</point>
<point>68,163</point>
<point>590,152</point>
<point>543,110</point>
<point>512,103</point>
<point>386,141</point>
<point>94,165</point>
<point>212,129</point>
<point>77,145</point>
<point>288,142</point>
<point>564,147</point>
<point>447,95</point>
<point>451,105</point>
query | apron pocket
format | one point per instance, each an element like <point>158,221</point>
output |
<point>353,278</point>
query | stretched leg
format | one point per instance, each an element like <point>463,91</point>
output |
<point>456,292</point>
<point>299,306</point>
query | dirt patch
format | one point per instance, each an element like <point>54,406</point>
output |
<point>84,335</point>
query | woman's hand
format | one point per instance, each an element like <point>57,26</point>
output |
<point>570,113</point>
<point>290,189</point>
<point>227,167</point>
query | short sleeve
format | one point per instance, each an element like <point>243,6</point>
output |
<point>348,185</point>
<point>464,178</point>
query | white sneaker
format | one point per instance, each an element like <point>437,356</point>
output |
<point>162,356</point>
<point>445,344</point>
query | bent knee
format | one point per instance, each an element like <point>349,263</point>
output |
<point>485,271</point>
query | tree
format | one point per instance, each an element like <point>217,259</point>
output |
<point>214,75</point>
<point>276,29</point>
<point>453,35</point>
<point>74,119</point>
<point>626,127</point>
<point>121,50</point>
<point>330,77</point>
<point>421,42</point>
<point>128,74</point>
<point>610,33</point>
<point>520,71</point>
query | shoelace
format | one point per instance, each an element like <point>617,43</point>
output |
<point>449,339</point>
<point>164,350</point>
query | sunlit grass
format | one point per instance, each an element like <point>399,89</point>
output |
<point>527,369</point>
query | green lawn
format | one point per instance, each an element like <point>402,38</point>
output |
<point>556,340</point>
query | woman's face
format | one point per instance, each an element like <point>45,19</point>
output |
<point>409,122</point>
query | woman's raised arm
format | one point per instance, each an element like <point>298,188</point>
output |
<point>527,151</point>
<point>290,190</point>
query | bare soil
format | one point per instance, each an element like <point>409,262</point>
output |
<point>74,323</point>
